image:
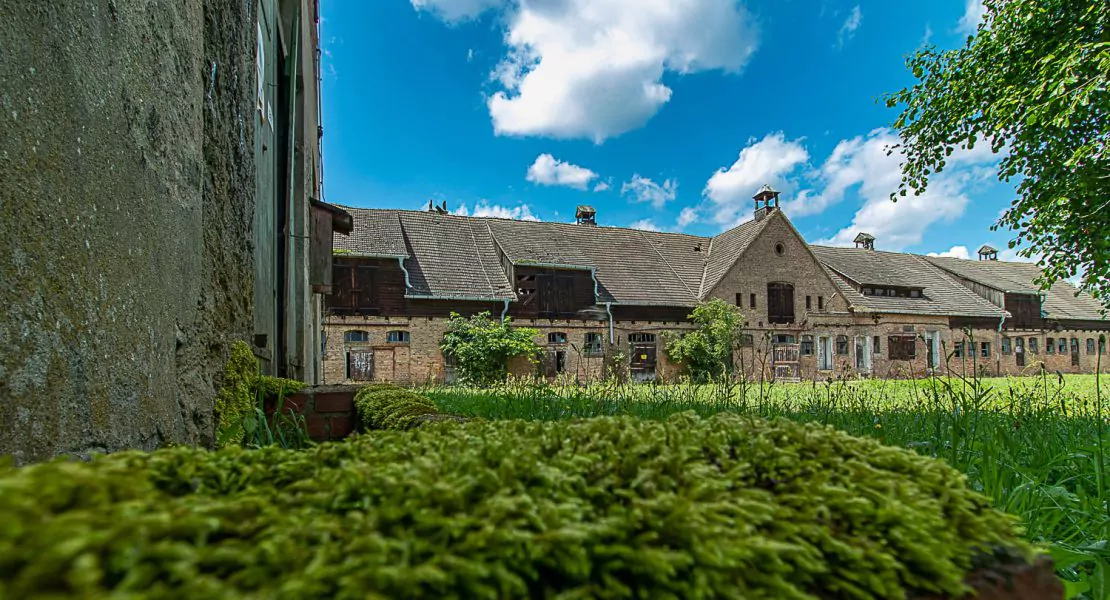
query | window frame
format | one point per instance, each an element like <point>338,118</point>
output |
<point>398,336</point>
<point>557,338</point>
<point>347,336</point>
<point>592,344</point>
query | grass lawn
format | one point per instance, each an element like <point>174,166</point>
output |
<point>1034,445</point>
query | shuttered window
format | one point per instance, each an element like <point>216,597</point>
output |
<point>902,347</point>
<point>780,302</point>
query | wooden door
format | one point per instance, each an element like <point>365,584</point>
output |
<point>642,361</point>
<point>780,302</point>
<point>1019,351</point>
<point>1074,352</point>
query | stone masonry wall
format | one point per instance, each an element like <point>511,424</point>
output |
<point>126,178</point>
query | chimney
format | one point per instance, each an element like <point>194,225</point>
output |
<point>766,202</point>
<point>986,252</point>
<point>585,215</point>
<point>865,241</point>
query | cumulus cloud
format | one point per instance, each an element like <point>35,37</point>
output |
<point>645,225</point>
<point>973,16</point>
<point>687,217</point>
<point>770,160</point>
<point>455,11</point>
<point>643,189</point>
<point>602,186</point>
<point>593,68</point>
<point>863,162</point>
<point>547,170</point>
<point>483,208</point>
<point>851,24</point>
<point>953,252</point>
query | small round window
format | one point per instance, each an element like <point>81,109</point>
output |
<point>780,249</point>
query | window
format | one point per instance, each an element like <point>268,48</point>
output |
<point>957,349</point>
<point>746,340</point>
<point>820,303</point>
<point>780,249</point>
<point>807,345</point>
<point>877,345</point>
<point>751,300</point>
<point>592,345</point>
<point>868,291</point>
<point>356,336</point>
<point>560,361</point>
<point>739,299</point>
<point>784,338</point>
<point>915,293</point>
<point>1006,346</point>
<point>809,302</point>
<point>1101,345</point>
<point>1090,345</point>
<point>824,353</point>
<point>1062,345</point>
<point>841,344</point>
<point>780,302</point>
<point>556,337</point>
<point>397,337</point>
<point>1033,345</point>
<point>1050,346</point>
<point>641,338</point>
<point>902,347</point>
<point>985,349</point>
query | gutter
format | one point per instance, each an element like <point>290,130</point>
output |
<point>462,298</point>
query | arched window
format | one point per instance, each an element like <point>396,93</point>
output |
<point>556,337</point>
<point>397,337</point>
<point>1090,346</point>
<point>356,336</point>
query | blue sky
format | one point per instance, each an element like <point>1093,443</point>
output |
<point>662,114</point>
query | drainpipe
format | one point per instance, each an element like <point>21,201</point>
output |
<point>505,311</point>
<point>609,310</point>
<point>401,261</point>
<point>998,348</point>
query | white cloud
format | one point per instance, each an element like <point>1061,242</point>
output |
<point>547,170</point>
<point>1011,254</point>
<point>602,186</point>
<point>953,252</point>
<point>927,37</point>
<point>863,161</point>
<point>593,68</point>
<point>646,190</point>
<point>851,24</point>
<point>973,16</point>
<point>484,209</point>
<point>470,55</point>
<point>455,11</point>
<point>769,160</point>
<point>645,225</point>
<point>687,217</point>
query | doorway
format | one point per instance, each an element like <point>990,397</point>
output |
<point>863,353</point>
<point>642,361</point>
<point>1074,352</point>
<point>824,353</point>
<point>1019,351</point>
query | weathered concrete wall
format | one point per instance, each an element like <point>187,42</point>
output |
<point>126,191</point>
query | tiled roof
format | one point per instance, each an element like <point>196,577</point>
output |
<point>942,295</point>
<point>376,233</point>
<point>1062,301</point>
<point>725,249</point>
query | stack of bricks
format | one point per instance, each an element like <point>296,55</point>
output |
<point>328,411</point>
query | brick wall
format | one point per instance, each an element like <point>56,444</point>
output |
<point>329,411</point>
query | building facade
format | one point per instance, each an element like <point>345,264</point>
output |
<point>605,300</point>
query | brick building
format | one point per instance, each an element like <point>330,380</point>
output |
<point>604,299</point>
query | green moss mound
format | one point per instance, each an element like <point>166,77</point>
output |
<point>384,406</point>
<point>726,507</point>
<point>243,387</point>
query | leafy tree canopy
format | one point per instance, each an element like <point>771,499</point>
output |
<point>707,351</point>
<point>1034,83</point>
<point>482,346</point>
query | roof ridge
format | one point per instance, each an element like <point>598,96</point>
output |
<point>668,263</point>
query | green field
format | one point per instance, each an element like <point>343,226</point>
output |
<point>1034,445</point>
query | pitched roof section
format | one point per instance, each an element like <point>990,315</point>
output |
<point>1060,302</point>
<point>726,249</point>
<point>376,233</point>
<point>942,295</point>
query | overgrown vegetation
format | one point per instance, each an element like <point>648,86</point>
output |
<point>482,346</point>
<point>605,508</point>
<point>241,405</point>
<point>1033,445</point>
<point>1034,84</point>
<point>706,352</point>
<point>384,406</point>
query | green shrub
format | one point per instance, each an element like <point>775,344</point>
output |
<point>244,389</point>
<point>482,346</point>
<point>726,507</point>
<point>383,406</point>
